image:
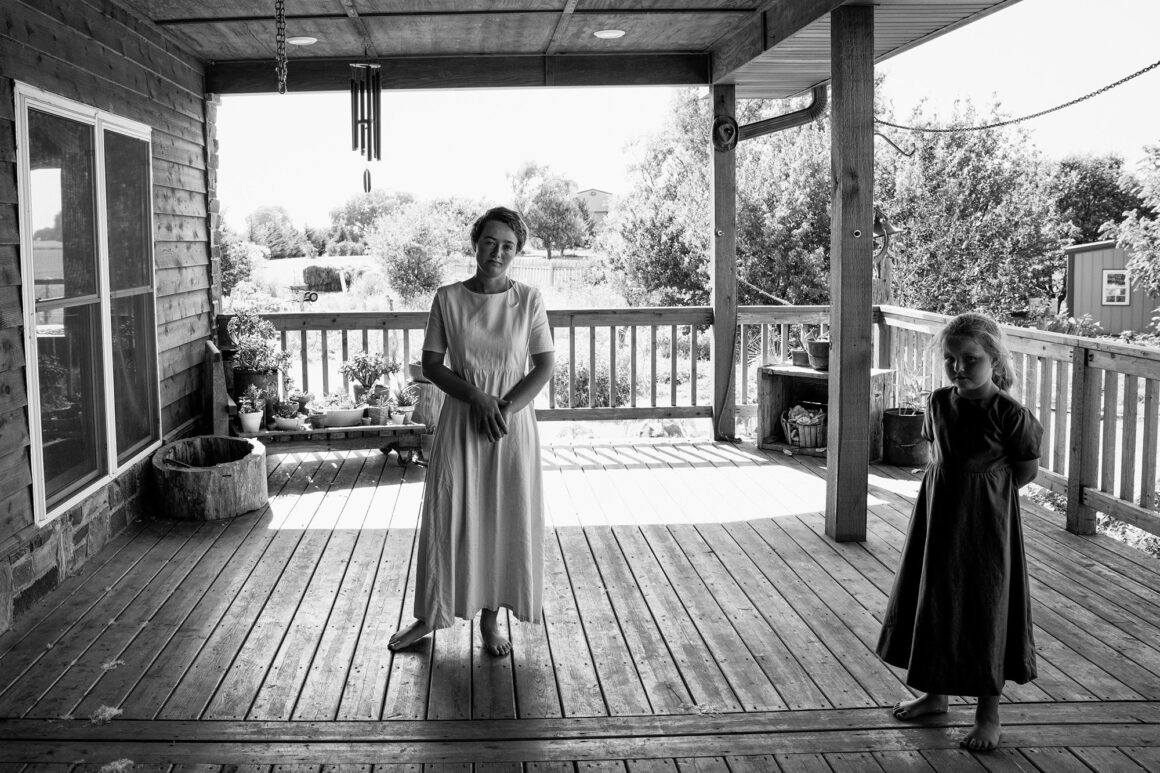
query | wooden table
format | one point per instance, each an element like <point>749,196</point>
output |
<point>782,386</point>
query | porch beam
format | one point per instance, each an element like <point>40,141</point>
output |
<point>458,72</point>
<point>851,252</point>
<point>724,241</point>
<point>770,24</point>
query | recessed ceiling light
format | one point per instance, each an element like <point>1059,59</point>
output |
<point>302,40</point>
<point>609,34</point>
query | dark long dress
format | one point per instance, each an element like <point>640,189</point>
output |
<point>959,616</point>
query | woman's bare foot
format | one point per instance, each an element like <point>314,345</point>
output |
<point>493,641</point>
<point>405,637</point>
<point>984,736</point>
<point>931,703</point>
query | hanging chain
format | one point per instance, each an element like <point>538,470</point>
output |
<point>280,22</point>
<point>999,124</point>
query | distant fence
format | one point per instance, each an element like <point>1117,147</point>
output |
<point>538,272</point>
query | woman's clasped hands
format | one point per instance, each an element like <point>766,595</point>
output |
<point>490,414</point>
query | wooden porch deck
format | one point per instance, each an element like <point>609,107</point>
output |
<point>695,619</point>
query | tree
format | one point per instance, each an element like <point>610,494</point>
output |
<point>656,237</point>
<point>1092,191</point>
<point>1139,233</point>
<point>549,207</point>
<point>271,227</point>
<point>413,241</point>
<point>981,231</point>
<point>352,221</point>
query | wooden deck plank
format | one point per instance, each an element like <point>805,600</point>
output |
<point>575,670</point>
<point>1107,758</point>
<point>451,660</point>
<point>614,649</point>
<point>903,762</point>
<point>536,694</point>
<point>702,675</point>
<point>493,693</point>
<point>328,674</point>
<point>755,634</point>
<point>201,678</point>
<point>234,695</point>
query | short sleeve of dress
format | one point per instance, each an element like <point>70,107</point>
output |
<point>1023,436</point>
<point>540,334</point>
<point>435,338</point>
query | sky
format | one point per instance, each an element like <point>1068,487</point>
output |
<point>1029,57</point>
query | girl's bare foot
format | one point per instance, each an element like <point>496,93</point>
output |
<point>405,637</point>
<point>984,736</point>
<point>931,703</point>
<point>493,641</point>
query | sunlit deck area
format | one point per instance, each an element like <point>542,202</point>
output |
<point>696,618</point>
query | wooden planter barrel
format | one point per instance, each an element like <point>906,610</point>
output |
<point>211,477</point>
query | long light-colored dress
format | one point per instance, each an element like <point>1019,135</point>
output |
<point>481,534</point>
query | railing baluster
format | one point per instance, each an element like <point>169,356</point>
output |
<point>406,346</point>
<point>744,365</point>
<point>673,363</point>
<point>1062,389</point>
<point>632,365</point>
<point>693,363</point>
<point>345,357</point>
<point>1044,415</point>
<point>305,360</point>
<point>366,343</point>
<point>571,367</point>
<point>653,372</point>
<point>386,343</point>
<point>325,365</point>
<point>592,366</point>
<point>612,366</point>
<point>1108,433</point>
<point>1030,384</point>
<point>1148,454</point>
<point>784,353</point>
<point>1128,440</point>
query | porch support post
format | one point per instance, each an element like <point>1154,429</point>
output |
<point>724,241</point>
<point>1084,442</point>
<point>851,263</point>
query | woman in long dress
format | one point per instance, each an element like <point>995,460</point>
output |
<point>482,524</point>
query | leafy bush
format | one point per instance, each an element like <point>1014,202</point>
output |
<point>1084,326</point>
<point>345,248</point>
<point>581,391</point>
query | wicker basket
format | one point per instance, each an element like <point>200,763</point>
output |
<point>803,435</point>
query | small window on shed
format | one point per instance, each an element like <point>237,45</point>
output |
<point>1116,287</point>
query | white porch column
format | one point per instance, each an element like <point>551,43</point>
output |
<point>851,253</point>
<point>724,251</point>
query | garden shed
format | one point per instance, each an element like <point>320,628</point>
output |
<point>1098,283</point>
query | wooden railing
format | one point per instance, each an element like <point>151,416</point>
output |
<point>1097,400</point>
<point>1100,417</point>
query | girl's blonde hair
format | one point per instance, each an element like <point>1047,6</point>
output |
<point>986,332</point>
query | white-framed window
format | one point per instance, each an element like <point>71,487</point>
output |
<point>1116,287</point>
<point>86,234</point>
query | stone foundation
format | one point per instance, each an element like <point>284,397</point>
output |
<point>65,545</point>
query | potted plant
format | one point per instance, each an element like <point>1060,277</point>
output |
<point>403,399</point>
<point>287,416</point>
<point>251,408</point>
<point>379,408</point>
<point>365,369</point>
<point>339,410</point>
<point>902,442</point>
<point>258,355</point>
<point>818,352</point>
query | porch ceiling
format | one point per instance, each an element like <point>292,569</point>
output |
<point>767,49</point>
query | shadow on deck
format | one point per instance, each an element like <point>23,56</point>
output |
<point>696,618</point>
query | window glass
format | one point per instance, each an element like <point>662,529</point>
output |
<point>129,204</point>
<point>134,373</point>
<point>72,403</point>
<point>62,205</point>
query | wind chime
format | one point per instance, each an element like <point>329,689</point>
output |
<point>366,135</point>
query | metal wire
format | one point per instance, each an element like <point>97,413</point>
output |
<point>280,37</point>
<point>1011,121</point>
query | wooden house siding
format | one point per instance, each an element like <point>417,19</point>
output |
<point>1085,266</point>
<point>97,53</point>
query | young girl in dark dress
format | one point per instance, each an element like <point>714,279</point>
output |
<point>959,616</point>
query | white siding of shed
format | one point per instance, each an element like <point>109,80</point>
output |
<point>1085,267</point>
